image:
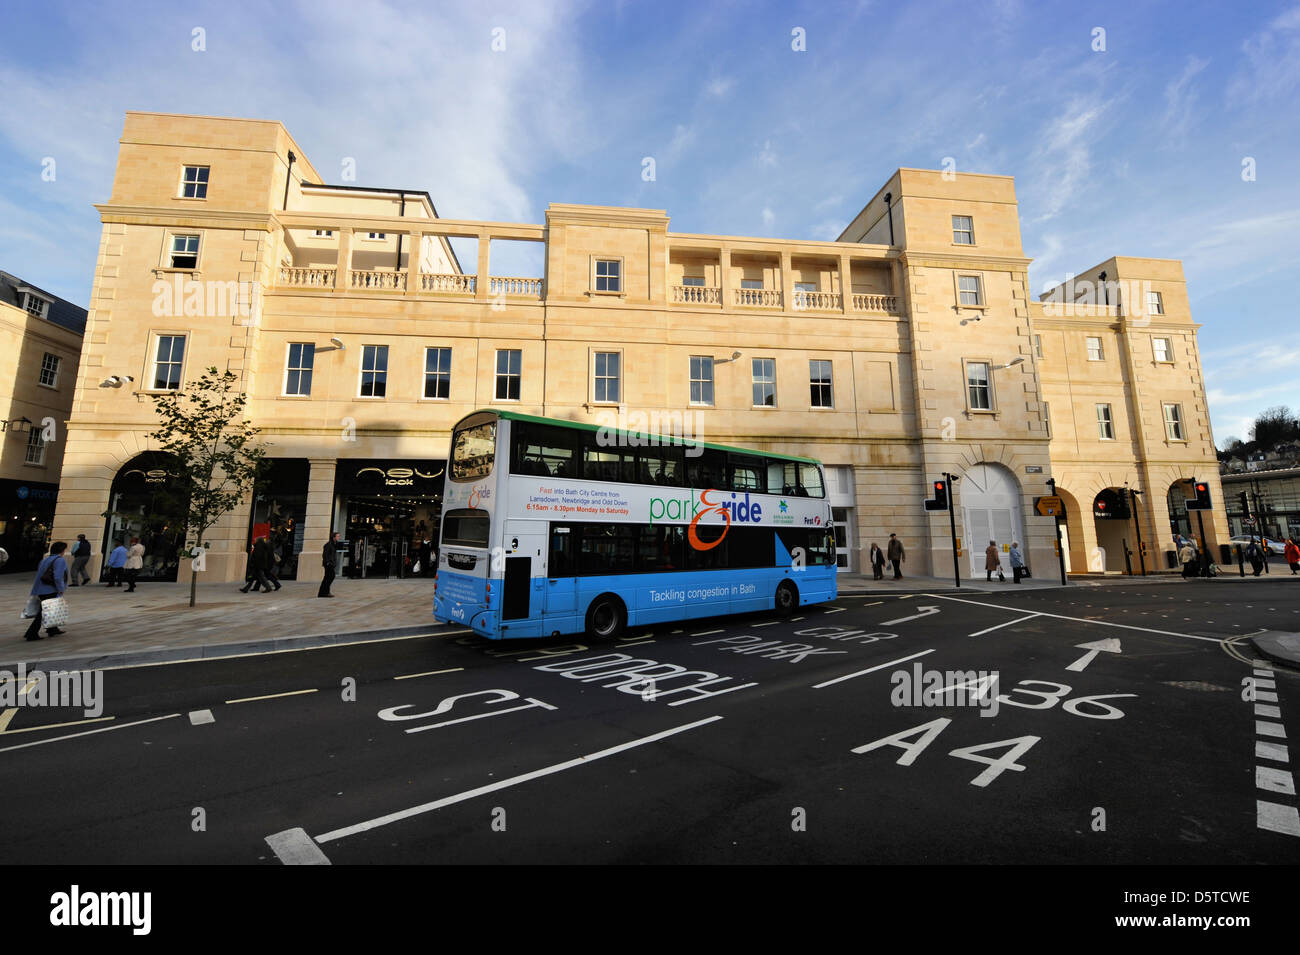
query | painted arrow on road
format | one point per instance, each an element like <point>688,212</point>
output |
<point>925,612</point>
<point>1109,645</point>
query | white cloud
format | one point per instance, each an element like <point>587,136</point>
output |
<point>1180,97</point>
<point>769,218</point>
<point>1066,155</point>
<point>719,86</point>
<point>766,156</point>
<point>1271,69</point>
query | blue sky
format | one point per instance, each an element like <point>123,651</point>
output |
<point>1136,150</point>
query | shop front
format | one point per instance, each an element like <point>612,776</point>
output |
<point>26,514</point>
<point>388,512</point>
<point>148,500</point>
<point>280,511</point>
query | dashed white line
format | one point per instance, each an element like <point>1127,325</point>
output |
<point>1263,709</point>
<point>412,676</point>
<point>1277,818</point>
<point>1274,780</point>
<point>1275,730</point>
<point>1274,751</point>
<point>506,783</point>
<point>295,847</point>
<point>705,633</point>
<point>270,696</point>
<point>200,717</point>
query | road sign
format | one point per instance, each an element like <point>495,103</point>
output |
<point>1049,506</point>
<point>1249,522</point>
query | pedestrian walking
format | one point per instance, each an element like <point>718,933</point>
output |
<point>134,563</point>
<point>877,562</point>
<point>1255,557</point>
<point>1293,555</point>
<point>895,553</point>
<point>50,583</point>
<point>427,567</point>
<point>263,560</point>
<point>80,558</point>
<point>992,562</point>
<point>116,565</point>
<point>1017,562</point>
<point>329,556</point>
<point>1187,557</point>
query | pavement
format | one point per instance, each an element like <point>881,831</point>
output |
<point>109,627</point>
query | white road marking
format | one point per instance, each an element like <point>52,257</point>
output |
<point>835,610</point>
<point>102,729</point>
<point>295,847</point>
<point>1264,673</point>
<point>1276,818</point>
<point>850,676</point>
<point>980,633</point>
<point>199,717</point>
<point>1269,729</point>
<point>705,633</point>
<point>1266,697</point>
<point>531,704</point>
<point>1274,780</point>
<point>270,696</point>
<point>1266,684</point>
<point>1104,623</point>
<point>412,676</point>
<point>1263,709</point>
<point>55,726</point>
<point>770,623</point>
<point>795,619</point>
<point>925,612</point>
<point>1109,645</point>
<point>506,783</point>
<point>1274,751</point>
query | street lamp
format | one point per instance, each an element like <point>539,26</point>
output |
<point>1014,361</point>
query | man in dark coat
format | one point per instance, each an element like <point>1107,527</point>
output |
<point>329,557</point>
<point>894,551</point>
<point>263,560</point>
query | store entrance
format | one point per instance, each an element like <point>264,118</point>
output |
<point>390,537</point>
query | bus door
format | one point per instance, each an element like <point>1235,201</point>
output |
<point>523,545</point>
<point>561,594</point>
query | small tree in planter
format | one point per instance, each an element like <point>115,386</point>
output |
<point>204,429</point>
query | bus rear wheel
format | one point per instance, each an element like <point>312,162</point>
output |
<point>787,598</point>
<point>606,618</point>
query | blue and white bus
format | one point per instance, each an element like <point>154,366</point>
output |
<point>553,527</point>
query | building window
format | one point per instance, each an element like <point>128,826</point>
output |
<point>968,287</point>
<point>194,182</point>
<point>764,370</point>
<point>297,379</point>
<point>1155,305</point>
<point>437,373</point>
<point>963,230</point>
<point>609,275</point>
<point>35,447</point>
<point>509,366</point>
<point>1174,422</point>
<point>701,380</point>
<point>1038,346</point>
<point>978,386</point>
<point>1047,417</point>
<point>168,360</point>
<point>1095,351</point>
<point>694,281</point>
<point>1161,349</point>
<point>35,305</point>
<point>605,382</point>
<point>751,283</point>
<point>326,233</point>
<point>1105,427</point>
<point>50,370</point>
<point>374,371</point>
<point>185,251</point>
<point>819,377</point>
<point>377,236</point>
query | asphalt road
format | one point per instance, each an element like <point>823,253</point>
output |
<point>787,741</point>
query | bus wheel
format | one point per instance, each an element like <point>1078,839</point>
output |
<point>606,618</point>
<point>787,598</point>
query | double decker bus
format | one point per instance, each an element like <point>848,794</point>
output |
<point>553,527</point>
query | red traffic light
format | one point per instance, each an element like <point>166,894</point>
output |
<point>938,485</point>
<point>1202,488</point>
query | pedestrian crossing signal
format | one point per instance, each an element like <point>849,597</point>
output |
<point>939,502</point>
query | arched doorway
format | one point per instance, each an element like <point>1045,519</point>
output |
<point>148,500</point>
<point>990,510</point>
<point>1073,537</point>
<point>1114,528</point>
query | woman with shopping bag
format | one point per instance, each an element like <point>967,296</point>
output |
<point>51,607</point>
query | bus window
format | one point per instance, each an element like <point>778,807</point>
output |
<point>542,450</point>
<point>715,558</point>
<point>473,451</point>
<point>660,548</point>
<point>747,473</point>
<point>660,465</point>
<point>775,477</point>
<point>810,476</point>
<point>708,470</point>
<point>465,528</point>
<point>611,465</point>
<point>560,561</point>
<point>606,549</point>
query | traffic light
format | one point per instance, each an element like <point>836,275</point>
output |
<point>940,500</point>
<point>1245,504</point>
<point>1201,502</point>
